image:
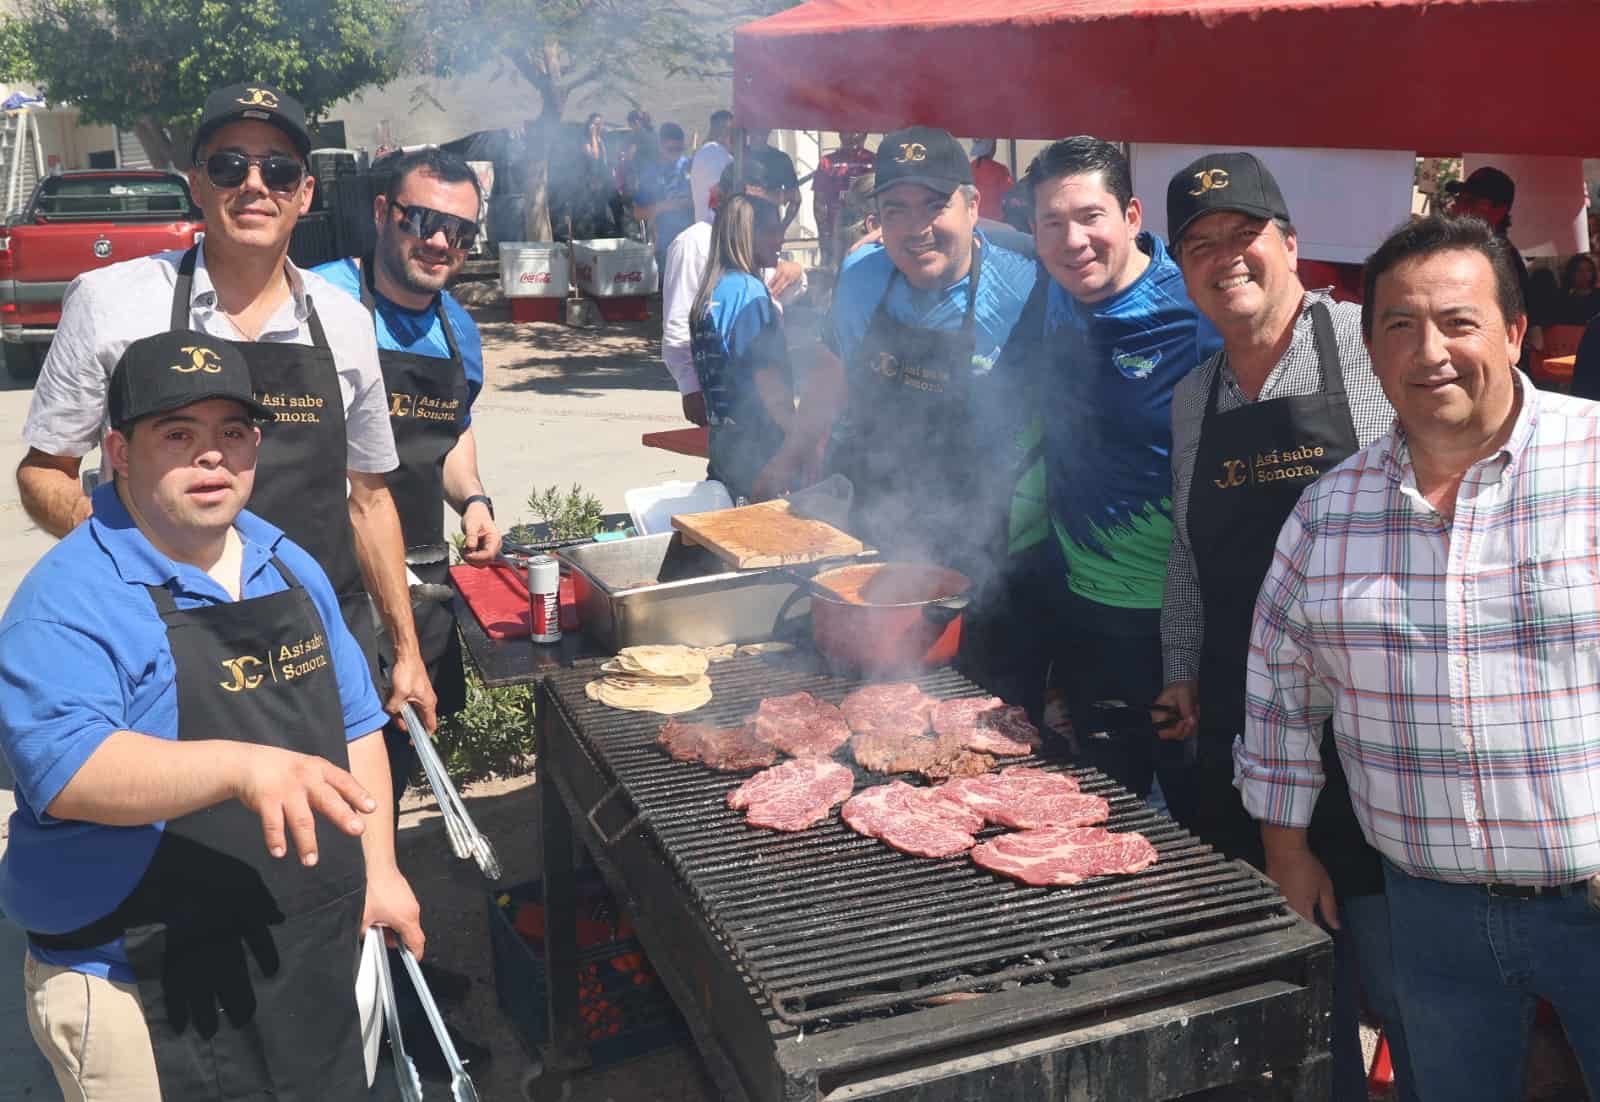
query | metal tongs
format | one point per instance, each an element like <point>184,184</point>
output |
<point>465,838</point>
<point>461,1088</point>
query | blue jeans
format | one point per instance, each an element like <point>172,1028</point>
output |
<point>1468,969</point>
<point>1364,972</point>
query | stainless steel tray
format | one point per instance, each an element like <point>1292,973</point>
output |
<point>658,589</point>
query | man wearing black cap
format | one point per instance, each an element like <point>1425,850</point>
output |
<point>311,351</point>
<point>1487,194</point>
<point>921,423</point>
<point>1290,395</point>
<point>181,702</point>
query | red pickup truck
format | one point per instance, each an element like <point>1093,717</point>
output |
<point>75,222</point>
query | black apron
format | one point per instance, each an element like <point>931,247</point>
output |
<point>246,964</point>
<point>1253,462</point>
<point>300,471</point>
<point>912,448</point>
<point>428,413</point>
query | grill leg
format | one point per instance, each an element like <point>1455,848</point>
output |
<point>1311,1081</point>
<point>566,1051</point>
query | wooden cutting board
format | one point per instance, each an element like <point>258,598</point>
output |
<point>765,535</point>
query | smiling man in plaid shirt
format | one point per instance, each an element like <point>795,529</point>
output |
<point>1438,595</point>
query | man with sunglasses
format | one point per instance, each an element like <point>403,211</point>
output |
<point>432,361</point>
<point>313,361</point>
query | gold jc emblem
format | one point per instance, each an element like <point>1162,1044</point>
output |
<point>911,152</point>
<point>1211,179</point>
<point>399,405</point>
<point>259,97</point>
<point>242,678</point>
<point>1233,474</point>
<point>887,365</point>
<point>200,359</point>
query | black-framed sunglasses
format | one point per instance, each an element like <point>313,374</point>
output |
<point>424,222</point>
<point>279,173</point>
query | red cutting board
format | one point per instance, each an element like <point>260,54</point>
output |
<point>498,597</point>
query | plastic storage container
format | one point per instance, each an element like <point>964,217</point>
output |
<point>623,1011</point>
<point>653,507</point>
<point>615,267</point>
<point>534,269</point>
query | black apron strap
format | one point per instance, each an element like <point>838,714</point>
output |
<point>183,290</point>
<point>1327,345</point>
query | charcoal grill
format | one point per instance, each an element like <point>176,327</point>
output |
<point>826,966</point>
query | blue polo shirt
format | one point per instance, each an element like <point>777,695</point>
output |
<point>868,278</point>
<point>1107,420</point>
<point>83,653</point>
<point>417,331</point>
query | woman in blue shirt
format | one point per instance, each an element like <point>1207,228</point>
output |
<point>740,354</point>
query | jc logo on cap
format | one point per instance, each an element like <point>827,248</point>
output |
<point>200,359</point>
<point>1211,179</point>
<point>259,97</point>
<point>911,152</point>
<point>242,679</point>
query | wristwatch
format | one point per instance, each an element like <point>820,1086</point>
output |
<point>487,504</point>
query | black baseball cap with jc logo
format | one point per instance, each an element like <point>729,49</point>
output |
<point>922,155</point>
<point>1222,181</point>
<point>261,102</point>
<point>175,369</point>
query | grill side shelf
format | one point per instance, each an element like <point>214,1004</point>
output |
<point>832,926</point>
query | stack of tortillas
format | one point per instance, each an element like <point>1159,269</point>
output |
<point>663,678</point>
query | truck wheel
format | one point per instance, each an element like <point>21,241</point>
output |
<point>23,361</point>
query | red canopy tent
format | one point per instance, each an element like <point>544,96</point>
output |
<point>1511,76</point>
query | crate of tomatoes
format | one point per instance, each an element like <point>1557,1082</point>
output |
<point>622,1007</point>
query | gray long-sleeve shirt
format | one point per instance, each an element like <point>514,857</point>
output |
<point>1297,373</point>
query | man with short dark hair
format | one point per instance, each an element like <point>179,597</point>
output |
<point>431,356</point>
<point>1289,396</point>
<point>714,155</point>
<point>180,703</point>
<point>663,198</point>
<point>1103,342</point>
<point>907,391</point>
<point>1437,596</point>
<point>311,352</point>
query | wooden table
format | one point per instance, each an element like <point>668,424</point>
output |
<point>695,441</point>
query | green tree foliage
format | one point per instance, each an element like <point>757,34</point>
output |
<point>147,65</point>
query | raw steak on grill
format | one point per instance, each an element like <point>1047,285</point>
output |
<point>897,708</point>
<point>801,725</point>
<point>731,749</point>
<point>933,757</point>
<point>1064,855</point>
<point>1023,797</point>
<point>793,795</point>
<point>988,725</point>
<point>920,821</point>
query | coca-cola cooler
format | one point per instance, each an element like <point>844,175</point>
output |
<point>535,276</point>
<point>620,274</point>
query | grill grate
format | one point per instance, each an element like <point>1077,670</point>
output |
<point>831,926</point>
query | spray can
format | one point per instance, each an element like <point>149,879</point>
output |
<point>544,598</point>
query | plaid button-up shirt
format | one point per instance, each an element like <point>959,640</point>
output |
<point>1460,662</point>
